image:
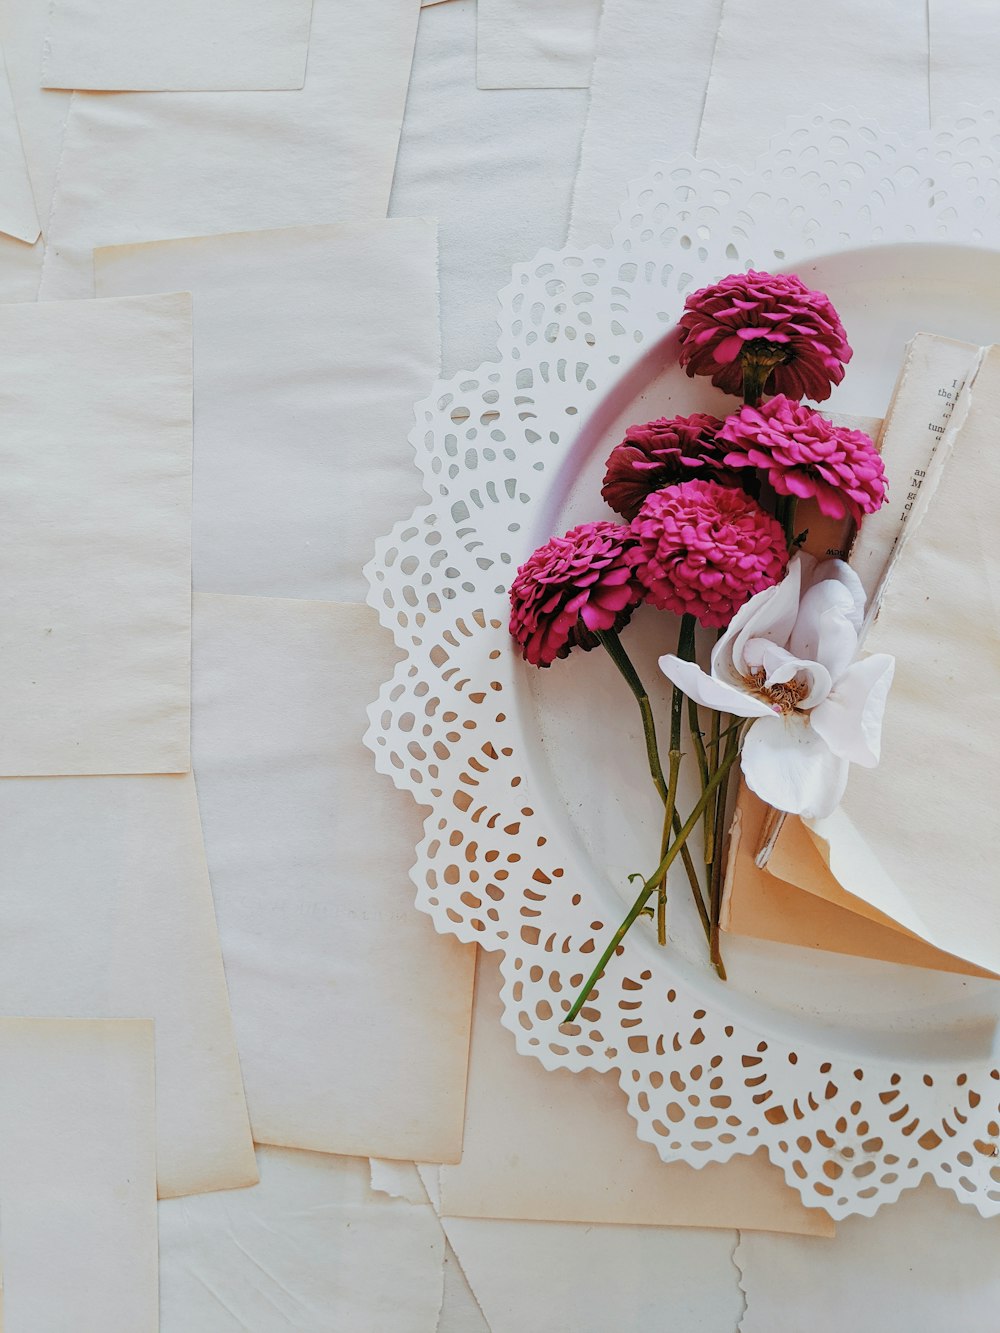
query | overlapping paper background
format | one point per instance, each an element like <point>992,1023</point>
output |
<point>257,178</point>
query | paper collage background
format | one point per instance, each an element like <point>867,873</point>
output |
<point>496,167</point>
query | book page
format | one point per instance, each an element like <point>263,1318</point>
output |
<point>176,45</point>
<point>95,476</point>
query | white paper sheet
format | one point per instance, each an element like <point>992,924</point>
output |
<point>851,55</point>
<point>41,113</point>
<point>352,1015</point>
<point>547,1277</point>
<point>939,762</point>
<point>965,54</point>
<point>926,1264</point>
<point>95,472</point>
<point>646,94</point>
<point>18,215</point>
<point>535,43</point>
<point>311,346</point>
<point>310,1249</point>
<point>176,45</point>
<point>556,1146</point>
<point>106,911</point>
<point>491,218</point>
<point>77,1176</point>
<point>141,168</point>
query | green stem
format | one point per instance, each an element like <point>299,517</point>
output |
<point>610,640</point>
<point>623,662</point>
<point>685,649</point>
<point>716,869</point>
<point>784,512</point>
<point>650,885</point>
<point>716,753</point>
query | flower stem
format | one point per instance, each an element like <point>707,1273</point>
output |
<point>650,885</point>
<point>623,662</point>
<point>610,640</point>
<point>784,512</point>
<point>716,754</point>
<point>685,649</point>
<point>716,869</point>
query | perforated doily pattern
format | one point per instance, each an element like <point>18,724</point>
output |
<point>489,868</point>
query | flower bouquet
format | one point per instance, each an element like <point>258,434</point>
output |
<point>713,534</point>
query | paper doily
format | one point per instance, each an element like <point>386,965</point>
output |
<point>495,865</point>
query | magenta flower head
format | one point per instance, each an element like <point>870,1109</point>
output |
<point>753,331</point>
<point>705,549</point>
<point>803,454</point>
<point>570,588</point>
<point>660,454</point>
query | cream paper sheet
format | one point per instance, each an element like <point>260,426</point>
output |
<point>535,43</point>
<point>18,215</point>
<point>176,45</point>
<point>311,346</point>
<point>647,90</point>
<point>142,168</point>
<point>106,911</point>
<point>95,471</point>
<point>77,1176</point>
<point>915,836</point>
<point>851,55</point>
<point>964,54</point>
<point>352,1015</point>
<point>310,1249</point>
<point>556,1146</point>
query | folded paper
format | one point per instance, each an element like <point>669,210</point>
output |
<point>106,911</point>
<point>311,346</point>
<point>632,45</point>
<point>914,837</point>
<point>352,1014</point>
<point>556,1146</point>
<point>78,1176</point>
<point>95,471</point>
<point>140,168</point>
<point>819,63</point>
<point>521,44</point>
<point>176,44</point>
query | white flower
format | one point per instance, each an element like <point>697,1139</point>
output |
<point>788,661</point>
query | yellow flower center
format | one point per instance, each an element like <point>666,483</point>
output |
<point>784,697</point>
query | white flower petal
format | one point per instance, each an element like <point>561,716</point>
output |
<point>850,719</point>
<point>767,615</point>
<point>842,573</point>
<point>707,690</point>
<point>791,767</point>
<point>824,629</point>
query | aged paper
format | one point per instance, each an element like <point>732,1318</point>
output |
<point>140,168</point>
<point>41,113</point>
<point>915,836</point>
<point>527,44</point>
<point>342,321</point>
<point>171,45</point>
<point>352,1014</point>
<point>18,215</point>
<point>95,470</point>
<point>77,1176</point>
<point>797,901</point>
<point>933,374</point>
<point>638,57</point>
<point>557,1146</point>
<point>964,54</point>
<point>824,62</point>
<point>106,911</point>
<point>310,1249</point>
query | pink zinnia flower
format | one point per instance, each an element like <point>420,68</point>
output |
<point>803,454</point>
<point>705,549</point>
<point>792,333</point>
<point>660,453</point>
<point>570,588</point>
